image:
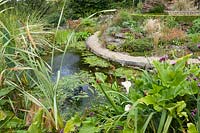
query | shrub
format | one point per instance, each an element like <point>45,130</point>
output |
<point>124,16</point>
<point>170,22</point>
<point>83,8</point>
<point>193,47</point>
<point>193,44</point>
<point>194,38</point>
<point>53,19</point>
<point>173,34</point>
<point>157,9</point>
<point>195,27</point>
<point>138,45</point>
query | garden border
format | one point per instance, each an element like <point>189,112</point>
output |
<point>178,18</point>
<point>94,45</point>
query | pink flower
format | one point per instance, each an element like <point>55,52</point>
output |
<point>198,46</point>
<point>164,58</point>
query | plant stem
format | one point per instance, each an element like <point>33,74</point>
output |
<point>167,123</point>
<point>109,99</point>
<point>162,121</point>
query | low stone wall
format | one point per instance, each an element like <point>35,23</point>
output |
<point>96,47</point>
<point>185,13</point>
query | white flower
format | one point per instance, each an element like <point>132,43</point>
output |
<point>127,107</point>
<point>127,85</point>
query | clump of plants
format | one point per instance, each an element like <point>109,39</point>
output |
<point>163,101</point>
<point>138,45</point>
<point>172,35</point>
<point>195,26</point>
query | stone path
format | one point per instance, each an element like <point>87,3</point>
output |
<point>137,61</point>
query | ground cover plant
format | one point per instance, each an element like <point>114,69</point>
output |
<point>165,35</point>
<point>103,96</point>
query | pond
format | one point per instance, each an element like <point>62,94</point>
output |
<point>71,65</point>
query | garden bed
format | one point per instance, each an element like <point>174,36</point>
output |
<point>157,35</point>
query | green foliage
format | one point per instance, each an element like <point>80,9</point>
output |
<point>69,83</point>
<point>113,30</point>
<point>132,25</point>
<point>142,17</point>
<point>9,121</point>
<point>83,8</point>
<point>87,22</point>
<point>89,125</point>
<point>111,47</point>
<point>125,15</point>
<point>139,7</point>
<point>79,46</point>
<point>194,40</point>
<point>195,26</point>
<point>191,128</point>
<point>129,24</point>
<point>2,115</point>
<point>170,22</point>
<point>5,91</point>
<point>62,36</point>
<point>122,4</point>
<point>53,18</point>
<point>172,84</point>
<point>95,61</point>
<point>82,35</point>
<point>138,45</point>
<point>72,124</point>
<point>100,76</point>
<point>159,8</point>
<point>36,125</point>
<point>124,73</point>
<point>160,99</point>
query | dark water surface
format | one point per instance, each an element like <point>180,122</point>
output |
<point>70,65</point>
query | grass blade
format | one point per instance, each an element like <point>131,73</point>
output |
<point>162,121</point>
<point>147,122</point>
<point>167,123</point>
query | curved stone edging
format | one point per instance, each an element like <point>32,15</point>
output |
<point>140,61</point>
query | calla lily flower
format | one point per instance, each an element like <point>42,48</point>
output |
<point>127,85</point>
<point>127,108</point>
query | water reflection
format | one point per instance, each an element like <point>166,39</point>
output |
<point>70,64</point>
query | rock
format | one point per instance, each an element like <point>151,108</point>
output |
<point>114,41</point>
<point>120,35</point>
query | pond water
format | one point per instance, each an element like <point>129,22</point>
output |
<point>70,65</point>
